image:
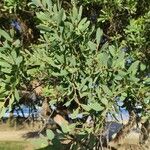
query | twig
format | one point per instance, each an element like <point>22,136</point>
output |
<point>46,121</point>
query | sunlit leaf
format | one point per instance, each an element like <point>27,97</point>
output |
<point>96,106</point>
<point>99,34</point>
<point>92,45</point>
<point>17,95</point>
<point>133,68</point>
<point>50,134</point>
<point>107,90</point>
<point>5,35</point>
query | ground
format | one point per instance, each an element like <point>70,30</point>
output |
<point>15,145</point>
<point>14,139</point>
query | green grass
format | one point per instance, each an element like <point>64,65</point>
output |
<point>14,145</point>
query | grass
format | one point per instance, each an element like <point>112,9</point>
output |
<point>15,145</point>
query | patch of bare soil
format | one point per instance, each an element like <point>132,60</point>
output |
<point>19,133</point>
<point>12,135</point>
<point>131,142</point>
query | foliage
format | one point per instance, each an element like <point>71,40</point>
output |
<point>13,71</point>
<point>88,66</point>
<point>13,5</point>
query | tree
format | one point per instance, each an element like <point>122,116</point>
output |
<point>87,65</point>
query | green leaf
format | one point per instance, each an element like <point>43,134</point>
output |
<point>147,81</point>
<point>60,58</point>
<point>43,16</point>
<point>107,90</point>
<point>120,61</point>
<point>84,88</point>
<point>96,106</point>
<point>74,114</point>
<point>83,94</point>
<point>50,134</point>
<point>99,34</point>
<point>142,67</point>
<point>1,103</point>
<point>6,70</point>
<point>80,13</point>
<point>60,16</point>
<point>6,58</point>
<point>123,96</point>
<point>134,79</point>
<point>49,4</point>
<point>133,68</point>
<point>73,61</point>
<point>74,14</point>
<point>19,60</point>
<point>5,35</point>
<point>12,99</point>
<point>117,77</point>
<point>36,2</point>
<point>92,45</point>
<point>14,55</point>
<point>102,59</point>
<point>81,23</point>
<point>2,111</point>
<point>63,73</point>
<point>85,26</point>
<point>86,107</point>
<point>65,128</point>
<point>83,83</point>
<point>112,50</point>
<point>122,73</point>
<point>104,101</point>
<point>147,100</point>
<point>5,64</point>
<point>17,43</point>
<point>68,103</point>
<point>17,95</point>
<point>44,28</point>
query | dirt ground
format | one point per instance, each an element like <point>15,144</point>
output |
<point>131,142</point>
<point>11,134</point>
<point>18,133</point>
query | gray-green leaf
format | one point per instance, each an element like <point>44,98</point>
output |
<point>50,134</point>
<point>99,34</point>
